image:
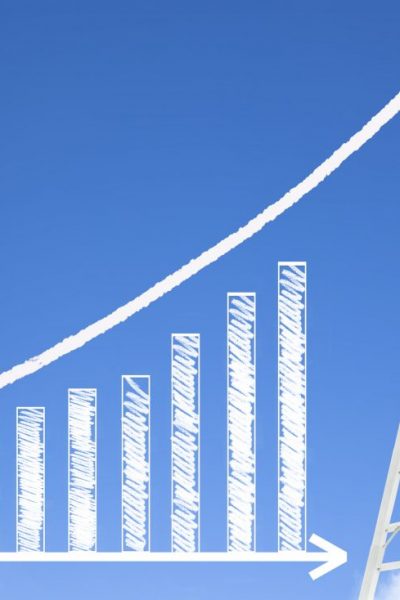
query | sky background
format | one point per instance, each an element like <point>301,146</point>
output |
<point>134,135</point>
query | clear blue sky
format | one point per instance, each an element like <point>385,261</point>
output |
<point>133,136</point>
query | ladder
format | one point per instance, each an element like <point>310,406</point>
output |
<point>385,530</point>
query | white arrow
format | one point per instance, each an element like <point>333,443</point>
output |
<point>330,556</point>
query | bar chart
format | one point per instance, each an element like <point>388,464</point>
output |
<point>185,451</point>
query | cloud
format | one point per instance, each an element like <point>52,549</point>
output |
<point>390,590</point>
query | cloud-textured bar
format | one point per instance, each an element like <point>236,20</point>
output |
<point>292,424</point>
<point>241,379</point>
<point>185,391</point>
<point>30,479</point>
<point>136,462</point>
<point>82,499</point>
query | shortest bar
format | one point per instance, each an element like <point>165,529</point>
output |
<point>241,417</point>
<point>30,479</point>
<point>185,442</point>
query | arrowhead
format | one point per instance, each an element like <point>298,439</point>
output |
<point>334,557</point>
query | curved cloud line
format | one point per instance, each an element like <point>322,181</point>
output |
<point>208,257</point>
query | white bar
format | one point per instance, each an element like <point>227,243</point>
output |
<point>185,442</point>
<point>30,479</point>
<point>292,417</point>
<point>241,422</point>
<point>82,472</point>
<point>136,463</point>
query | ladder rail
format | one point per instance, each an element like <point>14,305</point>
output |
<point>383,527</point>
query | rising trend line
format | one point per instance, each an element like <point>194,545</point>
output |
<point>211,255</point>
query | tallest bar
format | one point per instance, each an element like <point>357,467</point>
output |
<point>292,421</point>
<point>135,463</point>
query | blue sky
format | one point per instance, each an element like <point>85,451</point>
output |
<point>134,136</point>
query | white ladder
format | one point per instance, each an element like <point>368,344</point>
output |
<point>384,530</point>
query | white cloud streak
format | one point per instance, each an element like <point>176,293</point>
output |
<point>211,255</point>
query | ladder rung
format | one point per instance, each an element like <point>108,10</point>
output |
<point>392,527</point>
<point>390,566</point>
